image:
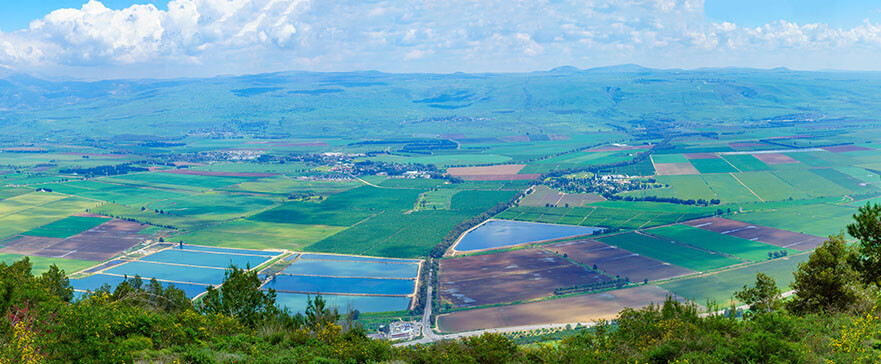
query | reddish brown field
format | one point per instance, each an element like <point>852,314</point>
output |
<point>671,169</point>
<point>774,158</point>
<point>844,148</point>
<point>559,137</point>
<point>583,308</point>
<point>764,234</point>
<point>99,243</point>
<point>218,174</point>
<point>702,156</point>
<point>454,136</point>
<point>618,261</point>
<point>509,276</point>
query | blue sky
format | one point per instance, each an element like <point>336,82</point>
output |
<point>174,38</point>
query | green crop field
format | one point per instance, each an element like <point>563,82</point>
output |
<point>741,248</point>
<point>214,205</point>
<point>810,183</point>
<point>607,214</point>
<point>746,162</point>
<point>177,181</point>
<point>188,223</point>
<point>728,189</point>
<point>42,264</point>
<point>814,219</point>
<point>259,235</point>
<point>683,187</point>
<point>67,227</point>
<point>39,215</point>
<point>435,200</point>
<point>713,165</point>
<point>284,186</point>
<point>719,287</point>
<point>669,158</point>
<point>342,209</point>
<point>850,183</point>
<point>396,233</point>
<point>769,187</point>
<point>125,195</point>
<point>666,251</point>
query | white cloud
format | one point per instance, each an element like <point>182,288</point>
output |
<point>248,36</point>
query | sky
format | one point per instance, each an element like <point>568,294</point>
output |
<point>202,38</point>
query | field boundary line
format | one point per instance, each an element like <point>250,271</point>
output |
<point>729,163</point>
<point>747,187</point>
<point>211,252</point>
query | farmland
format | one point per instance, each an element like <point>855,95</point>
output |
<point>691,208</point>
<point>509,276</point>
<point>732,246</point>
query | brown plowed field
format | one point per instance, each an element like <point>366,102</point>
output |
<point>774,158</point>
<point>672,169</point>
<point>509,276</point>
<point>618,261</point>
<point>99,243</point>
<point>218,174</point>
<point>583,308</point>
<point>764,234</point>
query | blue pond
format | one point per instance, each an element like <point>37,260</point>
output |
<point>504,233</point>
<point>313,284</point>
<point>93,282</point>
<point>296,302</point>
<point>353,269</point>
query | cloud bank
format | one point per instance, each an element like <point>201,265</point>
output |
<point>209,37</point>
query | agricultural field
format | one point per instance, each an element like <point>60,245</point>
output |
<point>615,261</point>
<point>543,196</point>
<point>764,234</point>
<point>739,248</point>
<point>249,234</point>
<point>669,251</point>
<point>582,308</point>
<point>718,287</point>
<point>516,275</point>
<point>606,215</point>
